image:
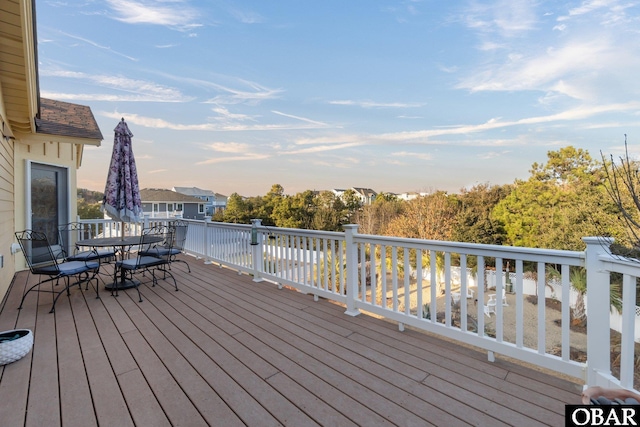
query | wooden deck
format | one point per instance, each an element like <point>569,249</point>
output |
<point>225,351</point>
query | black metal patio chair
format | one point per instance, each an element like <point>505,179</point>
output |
<point>172,248</point>
<point>71,233</point>
<point>44,260</point>
<point>153,237</point>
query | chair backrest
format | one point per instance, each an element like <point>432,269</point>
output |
<point>180,233</point>
<point>37,251</point>
<point>70,233</point>
<point>159,236</point>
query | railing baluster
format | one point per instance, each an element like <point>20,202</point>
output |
<point>566,313</point>
<point>519,304</point>
<point>542,305</point>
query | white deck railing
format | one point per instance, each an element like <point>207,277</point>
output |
<point>418,283</point>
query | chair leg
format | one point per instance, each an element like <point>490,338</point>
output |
<point>115,281</point>
<point>139,295</point>
<point>168,272</point>
<point>29,290</point>
<point>185,263</point>
<point>174,259</point>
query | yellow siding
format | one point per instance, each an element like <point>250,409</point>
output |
<point>50,153</point>
<point>7,201</point>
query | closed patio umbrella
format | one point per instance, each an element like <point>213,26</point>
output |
<point>121,199</point>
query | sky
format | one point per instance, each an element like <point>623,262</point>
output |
<point>392,95</point>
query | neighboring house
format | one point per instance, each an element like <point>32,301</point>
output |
<point>213,201</point>
<point>41,142</point>
<point>163,203</point>
<point>366,195</point>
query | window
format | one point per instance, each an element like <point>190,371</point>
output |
<point>200,208</point>
<point>179,206</point>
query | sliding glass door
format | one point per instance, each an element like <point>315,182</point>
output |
<point>49,201</point>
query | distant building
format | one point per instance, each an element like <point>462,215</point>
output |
<point>163,203</point>
<point>214,202</point>
<point>410,195</point>
<point>366,195</point>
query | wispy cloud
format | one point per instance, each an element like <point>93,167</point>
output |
<point>591,48</point>
<point>579,113</point>
<point>224,115</point>
<point>543,71</point>
<point>170,13</point>
<point>157,123</point>
<point>134,89</point>
<point>492,154</point>
<point>413,155</point>
<point>448,70</point>
<point>229,147</point>
<point>246,16</point>
<point>428,136</point>
<point>99,46</point>
<point>328,147</point>
<point>255,95</point>
<point>303,119</point>
<point>240,152</point>
<point>373,104</point>
<point>504,17</point>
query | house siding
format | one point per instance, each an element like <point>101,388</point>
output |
<point>7,219</point>
<point>191,212</point>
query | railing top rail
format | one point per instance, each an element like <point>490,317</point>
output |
<point>478,249</point>
<point>283,231</point>
<point>619,264</point>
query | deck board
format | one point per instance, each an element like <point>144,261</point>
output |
<point>225,350</point>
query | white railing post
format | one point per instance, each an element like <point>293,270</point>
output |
<point>352,269</point>
<point>598,303</point>
<point>207,246</point>
<point>256,250</point>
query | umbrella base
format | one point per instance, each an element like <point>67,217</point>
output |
<point>128,283</point>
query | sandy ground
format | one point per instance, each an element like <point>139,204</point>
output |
<point>553,331</point>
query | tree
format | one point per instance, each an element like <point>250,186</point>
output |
<point>374,218</point>
<point>623,188</point>
<point>563,201</point>
<point>428,217</point>
<point>328,211</point>
<point>474,223</point>
<point>237,211</point>
<point>89,204</point>
<point>295,211</point>
<point>89,210</point>
<point>267,204</point>
<point>352,204</point>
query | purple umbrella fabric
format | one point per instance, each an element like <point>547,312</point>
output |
<point>122,193</point>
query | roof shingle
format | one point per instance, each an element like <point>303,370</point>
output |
<point>66,119</point>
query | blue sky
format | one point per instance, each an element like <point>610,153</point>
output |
<point>417,95</point>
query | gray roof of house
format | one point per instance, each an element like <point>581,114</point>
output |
<point>194,191</point>
<point>164,195</point>
<point>365,191</point>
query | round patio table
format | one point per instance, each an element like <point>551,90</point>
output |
<point>124,243</point>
